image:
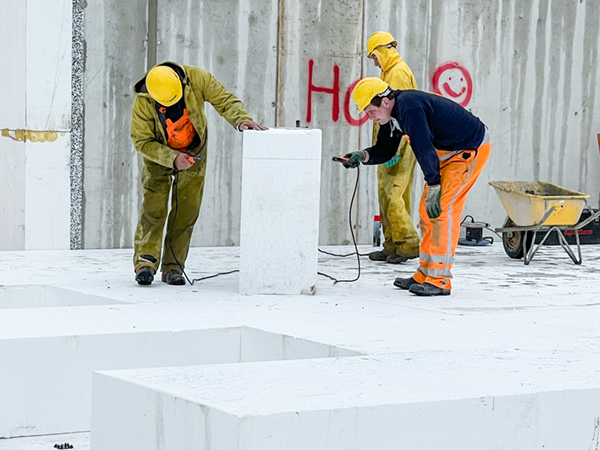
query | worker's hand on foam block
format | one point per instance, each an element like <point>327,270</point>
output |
<point>432,201</point>
<point>354,159</point>
<point>251,125</point>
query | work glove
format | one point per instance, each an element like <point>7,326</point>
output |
<point>354,159</point>
<point>432,201</point>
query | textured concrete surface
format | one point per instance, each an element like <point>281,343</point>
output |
<point>533,65</point>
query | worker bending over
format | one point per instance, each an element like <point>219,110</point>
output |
<point>168,127</point>
<point>395,177</point>
<point>451,146</point>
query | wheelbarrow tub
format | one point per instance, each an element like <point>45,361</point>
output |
<point>526,202</point>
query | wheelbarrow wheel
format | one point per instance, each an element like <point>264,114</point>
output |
<point>513,240</point>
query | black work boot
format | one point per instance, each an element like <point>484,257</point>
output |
<point>428,290</point>
<point>144,275</point>
<point>173,277</point>
<point>396,259</point>
<point>378,255</point>
<point>404,283</point>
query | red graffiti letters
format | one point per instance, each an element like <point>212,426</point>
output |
<point>351,120</point>
<point>335,91</point>
<point>449,80</point>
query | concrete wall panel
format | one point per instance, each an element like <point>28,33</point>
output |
<point>115,59</point>
<point>402,20</point>
<point>236,42</point>
<point>533,66</point>
<point>534,71</point>
<point>320,58</point>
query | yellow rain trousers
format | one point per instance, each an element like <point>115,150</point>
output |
<point>160,178</point>
<point>395,178</point>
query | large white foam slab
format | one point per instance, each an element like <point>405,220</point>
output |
<point>326,404</point>
<point>279,234</point>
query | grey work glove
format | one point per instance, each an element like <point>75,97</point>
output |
<point>354,159</point>
<point>432,201</point>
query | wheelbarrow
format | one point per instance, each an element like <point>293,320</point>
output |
<point>538,207</point>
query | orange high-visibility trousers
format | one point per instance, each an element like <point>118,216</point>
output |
<point>439,237</point>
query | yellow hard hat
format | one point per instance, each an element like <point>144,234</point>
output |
<point>164,85</point>
<point>368,88</point>
<point>378,39</point>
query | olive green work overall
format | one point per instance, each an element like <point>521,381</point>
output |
<point>160,179</point>
<point>186,188</point>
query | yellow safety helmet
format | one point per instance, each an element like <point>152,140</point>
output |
<point>164,85</point>
<point>367,89</point>
<point>378,39</point>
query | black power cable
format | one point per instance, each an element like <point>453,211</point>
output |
<point>176,206</point>
<point>335,280</point>
<point>358,255</point>
<point>342,256</point>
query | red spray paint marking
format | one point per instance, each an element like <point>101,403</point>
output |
<point>351,120</point>
<point>449,72</point>
<point>335,91</point>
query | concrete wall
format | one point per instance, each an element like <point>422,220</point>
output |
<point>115,36</point>
<point>534,75</point>
<point>533,66</point>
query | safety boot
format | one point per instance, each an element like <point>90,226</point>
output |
<point>144,275</point>
<point>380,255</point>
<point>404,283</point>
<point>173,277</point>
<point>428,290</point>
<point>394,258</point>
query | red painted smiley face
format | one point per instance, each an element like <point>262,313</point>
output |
<point>454,82</point>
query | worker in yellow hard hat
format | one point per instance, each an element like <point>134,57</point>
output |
<point>451,145</point>
<point>395,177</point>
<point>168,128</point>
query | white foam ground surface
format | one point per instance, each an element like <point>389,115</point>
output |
<point>507,328</point>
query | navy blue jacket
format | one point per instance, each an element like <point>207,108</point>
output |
<point>432,123</point>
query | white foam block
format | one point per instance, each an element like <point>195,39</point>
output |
<point>51,390</point>
<point>326,404</point>
<point>279,234</point>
